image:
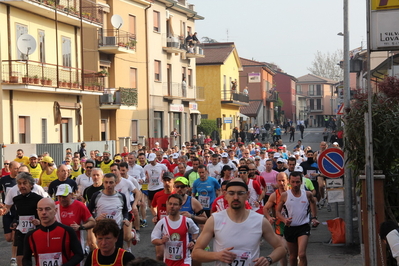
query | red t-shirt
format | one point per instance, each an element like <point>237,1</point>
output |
<point>165,162</point>
<point>4,173</point>
<point>159,201</point>
<point>220,204</point>
<point>172,167</point>
<point>77,212</point>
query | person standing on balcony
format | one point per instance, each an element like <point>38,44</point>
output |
<point>189,43</point>
<point>195,39</point>
<point>245,91</point>
<point>184,86</point>
<point>233,89</point>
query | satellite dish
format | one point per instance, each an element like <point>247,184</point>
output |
<point>26,44</point>
<point>116,21</point>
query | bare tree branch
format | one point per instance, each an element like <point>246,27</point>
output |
<point>327,65</point>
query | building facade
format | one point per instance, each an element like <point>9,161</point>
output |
<point>219,74</point>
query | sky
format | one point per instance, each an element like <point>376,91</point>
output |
<point>285,32</point>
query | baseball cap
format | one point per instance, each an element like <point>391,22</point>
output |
<point>63,190</point>
<point>168,175</point>
<point>296,153</point>
<point>257,157</point>
<point>151,157</point>
<point>107,151</point>
<point>47,159</point>
<point>175,156</point>
<point>276,155</point>
<point>225,155</point>
<point>156,143</point>
<point>99,154</point>
<point>35,155</point>
<point>335,143</point>
<point>280,160</point>
<point>182,180</point>
<point>284,146</point>
<point>298,169</point>
<point>118,157</point>
<point>183,146</point>
<point>165,156</point>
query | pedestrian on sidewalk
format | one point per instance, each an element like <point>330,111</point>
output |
<point>292,133</point>
<point>301,128</point>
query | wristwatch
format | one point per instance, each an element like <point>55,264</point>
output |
<point>82,227</point>
<point>269,260</point>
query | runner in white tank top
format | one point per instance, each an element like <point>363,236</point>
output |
<point>237,233</point>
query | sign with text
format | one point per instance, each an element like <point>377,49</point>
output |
<point>384,4</point>
<point>384,32</point>
<point>227,120</point>
<point>253,77</point>
<point>176,108</point>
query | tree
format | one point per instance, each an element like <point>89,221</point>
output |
<point>207,126</point>
<point>208,40</point>
<point>327,65</point>
<point>385,110</point>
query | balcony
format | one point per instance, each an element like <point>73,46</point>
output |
<point>272,96</point>
<point>113,41</point>
<point>236,99</point>
<point>32,76</point>
<point>197,51</point>
<point>175,90</point>
<point>124,98</point>
<point>66,11</point>
<point>316,109</point>
<point>315,94</point>
<point>174,44</point>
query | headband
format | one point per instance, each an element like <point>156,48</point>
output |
<point>237,183</point>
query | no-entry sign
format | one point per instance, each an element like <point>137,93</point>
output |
<point>331,163</point>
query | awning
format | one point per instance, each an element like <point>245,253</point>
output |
<point>382,69</point>
<point>194,112</point>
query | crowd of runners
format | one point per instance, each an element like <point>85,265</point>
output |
<point>89,209</point>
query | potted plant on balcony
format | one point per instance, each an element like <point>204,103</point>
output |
<point>102,73</point>
<point>25,79</point>
<point>13,79</point>
<point>75,84</point>
<point>43,81</point>
<point>49,82</point>
<point>36,79</point>
<point>60,7</point>
<point>131,44</point>
<point>64,83</point>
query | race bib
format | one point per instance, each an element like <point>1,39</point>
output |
<point>155,181</point>
<point>25,223</point>
<point>243,258</point>
<point>270,188</point>
<point>205,201</point>
<point>50,259</point>
<point>174,250</point>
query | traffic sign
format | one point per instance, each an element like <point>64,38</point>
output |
<point>331,163</point>
<point>340,109</point>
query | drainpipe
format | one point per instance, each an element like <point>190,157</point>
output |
<point>10,74</point>
<point>148,76</point>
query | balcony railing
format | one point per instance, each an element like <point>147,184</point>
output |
<point>315,94</point>
<point>195,51</point>
<point>123,96</point>
<point>316,108</point>
<point>119,39</point>
<point>34,73</point>
<point>229,96</point>
<point>175,89</point>
<point>83,9</point>
<point>272,96</point>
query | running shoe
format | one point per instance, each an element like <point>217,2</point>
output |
<point>13,262</point>
<point>134,234</point>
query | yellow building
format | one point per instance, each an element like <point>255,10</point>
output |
<point>119,50</point>
<point>42,88</point>
<point>219,74</point>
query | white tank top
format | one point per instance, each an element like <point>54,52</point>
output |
<point>245,237</point>
<point>253,196</point>
<point>297,208</point>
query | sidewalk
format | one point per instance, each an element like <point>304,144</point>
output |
<point>321,253</point>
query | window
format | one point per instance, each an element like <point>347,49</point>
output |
<point>311,104</point>
<point>156,21</point>
<point>132,25</point>
<point>318,104</point>
<point>158,121</point>
<point>21,30</point>
<point>44,130</point>
<point>183,71</point>
<point>298,89</point>
<point>23,129</point>
<point>65,132</point>
<point>188,30</point>
<point>135,130</point>
<point>66,52</point>
<point>311,90</point>
<point>190,78</point>
<point>133,78</point>
<point>103,129</point>
<point>42,47</point>
<point>318,90</point>
<point>157,70</point>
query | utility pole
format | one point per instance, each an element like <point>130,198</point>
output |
<point>346,91</point>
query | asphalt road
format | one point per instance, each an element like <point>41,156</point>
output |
<point>312,137</point>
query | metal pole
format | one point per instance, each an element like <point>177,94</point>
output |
<point>369,167</point>
<point>346,92</point>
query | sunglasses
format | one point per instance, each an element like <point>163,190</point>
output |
<point>6,164</point>
<point>243,172</point>
<point>89,167</point>
<point>182,186</point>
<point>117,161</point>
